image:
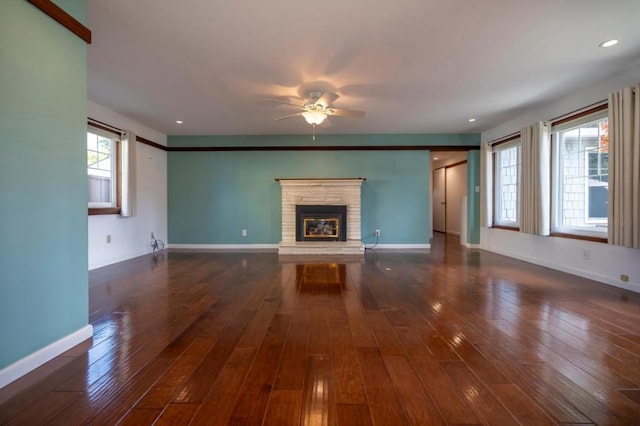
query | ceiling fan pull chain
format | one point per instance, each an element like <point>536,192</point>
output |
<point>314,131</point>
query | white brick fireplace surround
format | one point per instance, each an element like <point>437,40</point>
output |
<point>345,191</point>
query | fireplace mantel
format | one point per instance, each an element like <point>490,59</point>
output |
<point>310,180</point>
<point>321,191</point>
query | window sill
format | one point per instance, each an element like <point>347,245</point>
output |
<point>508,228</point>
<point>93,211</point>
<point>580,237</point>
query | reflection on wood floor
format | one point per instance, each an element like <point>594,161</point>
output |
<point>446,336</point>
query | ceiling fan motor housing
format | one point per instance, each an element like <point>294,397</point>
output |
<point>316,108</point>
<point>315,94</point>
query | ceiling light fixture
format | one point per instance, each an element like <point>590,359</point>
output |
<point>471,120</point>
<point>314,117</point>
<point>179,121</point>
<point>608,43</point>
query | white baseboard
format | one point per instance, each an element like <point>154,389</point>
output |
<point>275,246</point>
<point>469,245</point>
<point>399,246</point>
<point>612,281</point>
<point>29,363</point>
<point>224,246</point>
<point>112,260</point>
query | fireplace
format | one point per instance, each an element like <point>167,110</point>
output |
<point>326,231</point>
<point>321,223</point>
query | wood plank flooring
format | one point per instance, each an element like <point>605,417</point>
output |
<point>445,336</point>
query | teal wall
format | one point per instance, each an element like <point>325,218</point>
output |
<point>43,202</point>
<point>214,195</point>
<point>473,197</point>
<point>75,8</point>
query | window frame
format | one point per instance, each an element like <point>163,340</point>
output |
<point>587,218</point>
<point>512,142</point>
<point>115,137</point>
<point>566,124</point>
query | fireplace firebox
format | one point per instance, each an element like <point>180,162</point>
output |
<point>321,223</point>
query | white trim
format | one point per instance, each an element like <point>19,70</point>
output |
<point>612,281</point>
<point>117,259</point>
<point>113,172</point>
<point>275,246</point>
<point>29,363</point>
<point>496,190</point>
<point>399,246</point>
<point>223,246</point>
<point>473,246</point>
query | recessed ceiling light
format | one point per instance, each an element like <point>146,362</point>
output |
<point>471,120</point>
<point>435,158</point>
<point>179,121</point>
<point>608,43</point>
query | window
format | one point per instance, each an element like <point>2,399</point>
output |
<point>102,171</point>
<point>507,184</point>
<point>581,176</point>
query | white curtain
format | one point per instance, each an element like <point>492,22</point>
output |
<point>127,209</point>
<point>486,183</point>
<point>535,178</point>
<point>624,167</point>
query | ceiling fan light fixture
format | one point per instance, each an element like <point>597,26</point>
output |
<point>314,117</point>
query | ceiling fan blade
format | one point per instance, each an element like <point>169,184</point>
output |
<point>346,113</point>
<point>288,116</point>
<point>326,123</point>
<point>287,103</point>
<point>326,99</point>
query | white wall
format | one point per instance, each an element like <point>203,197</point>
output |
<point>589,95</point>
<point>456,189</point>
<point>597,261</point>
<point>131,237</point>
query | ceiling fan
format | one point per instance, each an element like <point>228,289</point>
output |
<point>317,108</point>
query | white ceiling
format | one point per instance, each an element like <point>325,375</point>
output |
<point>415,66</point>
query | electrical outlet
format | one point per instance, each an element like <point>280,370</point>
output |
<point>108,239</point>
<point>244,232</point>
<point>586,254</point>
<point>624,277</point>
<point>377,233</point>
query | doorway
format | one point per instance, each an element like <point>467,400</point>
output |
<point>449,188</point>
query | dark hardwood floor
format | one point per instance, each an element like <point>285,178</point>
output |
<point>446,336</point>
